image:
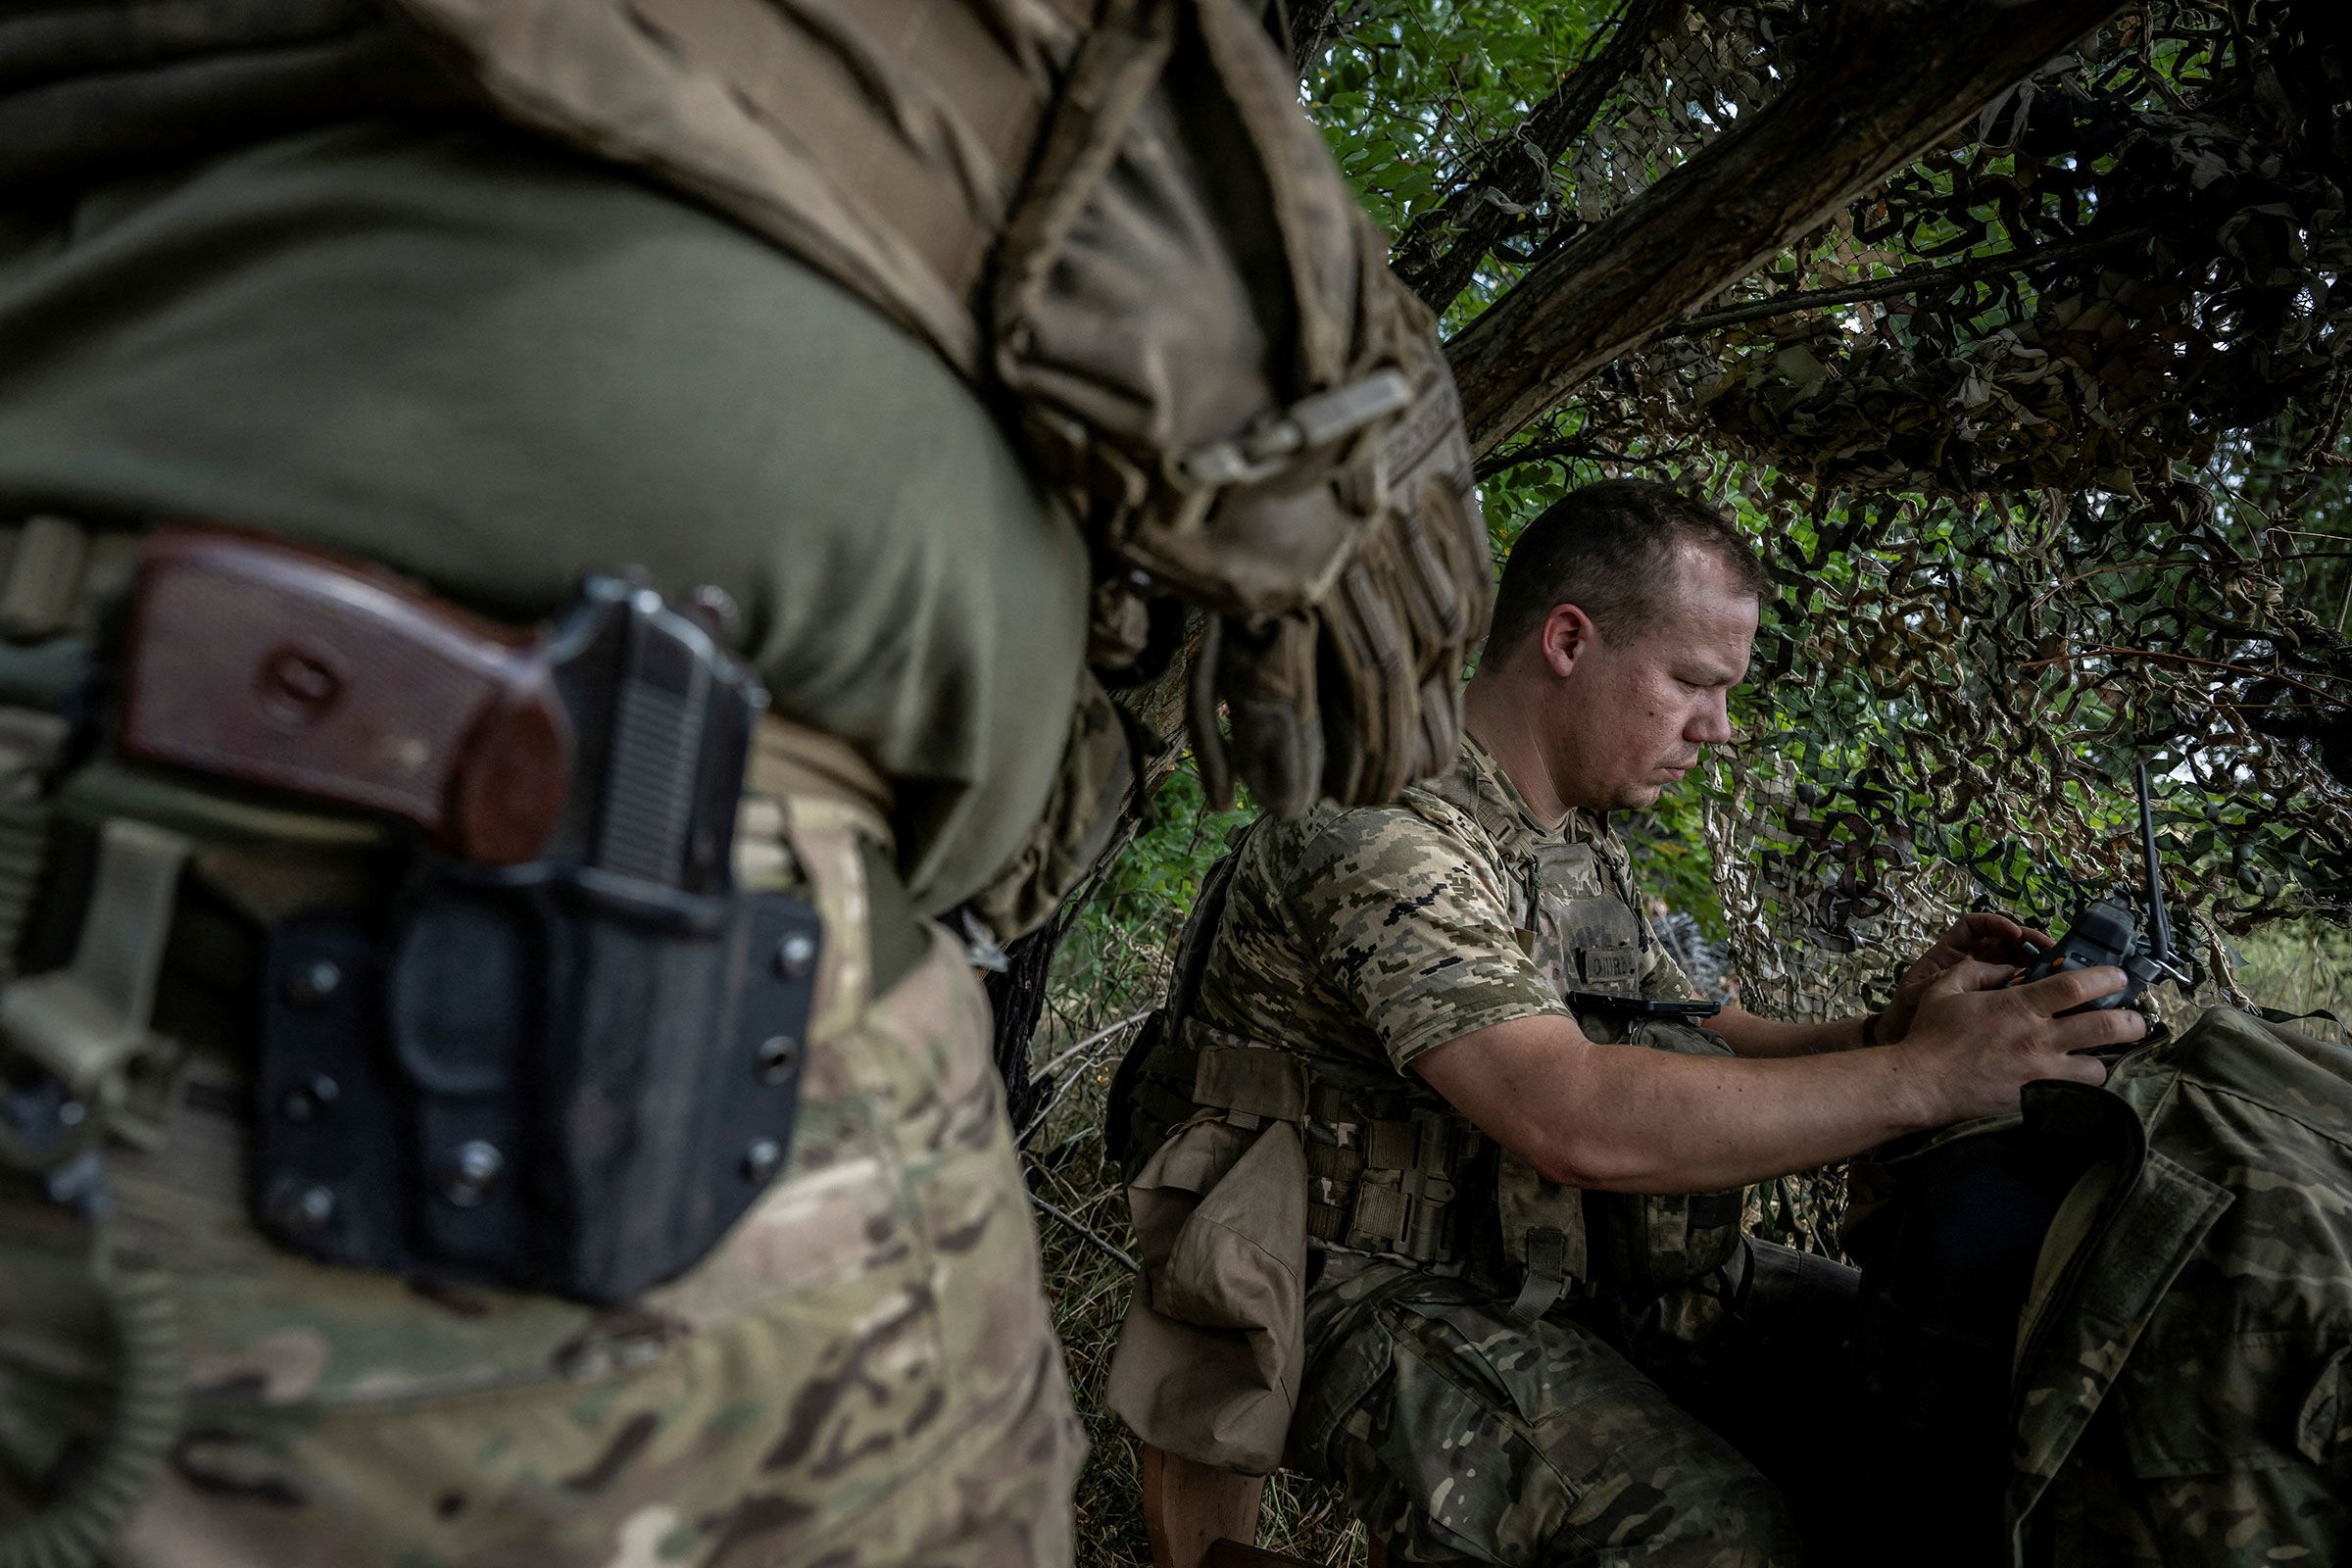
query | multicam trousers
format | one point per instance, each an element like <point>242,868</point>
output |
<point>864,1373</point>
<point>1461,1435</point>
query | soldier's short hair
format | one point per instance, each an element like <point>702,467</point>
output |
<point>1609,549</point>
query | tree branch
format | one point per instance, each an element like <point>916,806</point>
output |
<point>1910,280</point>
<point>1892,79</point>
<point>2163,656</point>
<point>1114,1252</point>
<point>1514,170</point>
<point>1310,27</point>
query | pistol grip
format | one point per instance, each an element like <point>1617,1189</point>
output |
<point>266,664</point>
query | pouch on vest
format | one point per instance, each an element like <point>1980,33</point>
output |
<point>1209,1361</point>
<point>1640,1244</point>
<point>1644,1245</point>
<point>1545,1235</point>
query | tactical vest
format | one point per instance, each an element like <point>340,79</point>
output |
<point>1394,1172</point>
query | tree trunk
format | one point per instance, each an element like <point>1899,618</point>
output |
<point>1311,27</point>
<point>1440,253</point>
<point>1892,79</point>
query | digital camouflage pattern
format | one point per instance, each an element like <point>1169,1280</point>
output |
<point>2186,1368</point>
<point>863,1372</point>
<point>1386,931</point>
<point>1360,940</point>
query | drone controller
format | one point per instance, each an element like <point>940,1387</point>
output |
<point>2112,932</point>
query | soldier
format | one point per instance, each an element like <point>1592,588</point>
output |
<point>1507,1345</point>
<point>398,1085</point>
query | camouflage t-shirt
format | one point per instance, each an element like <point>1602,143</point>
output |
<point>1386,931</point>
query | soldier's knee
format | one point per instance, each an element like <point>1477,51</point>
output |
<point>1719,1516</point>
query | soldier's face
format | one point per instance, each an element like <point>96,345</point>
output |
<point>1634,717</point>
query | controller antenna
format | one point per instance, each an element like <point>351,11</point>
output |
<point>2160,932</point>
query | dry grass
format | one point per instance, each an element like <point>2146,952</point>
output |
<point>2300,966</point>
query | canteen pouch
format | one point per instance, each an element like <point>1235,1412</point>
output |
<point>1209,1358</point>
<point>1644,1245</point>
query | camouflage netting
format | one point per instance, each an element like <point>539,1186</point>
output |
<point>2043,436</point>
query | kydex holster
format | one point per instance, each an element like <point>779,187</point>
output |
<point>567,1056</point>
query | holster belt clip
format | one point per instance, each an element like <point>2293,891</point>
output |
<point>87,1026</point>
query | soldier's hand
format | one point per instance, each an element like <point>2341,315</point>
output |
<point>1980,935</point>
<point>1980,1040</point>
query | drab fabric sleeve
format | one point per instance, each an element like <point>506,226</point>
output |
<point>1410,923</point>
<point>1663,979</point>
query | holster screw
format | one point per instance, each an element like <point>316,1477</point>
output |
<point>779,1054</point>
<point>303,1208</point>
<point>308,1099</point>
<point>796,955</point>
<point>474,1166</point>
<point>314,982</point>
<point>760,1161</point>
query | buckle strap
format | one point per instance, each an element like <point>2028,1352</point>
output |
<point>1405,1199</point>
<point>793,761</point>
<point>55,573</point>
<point>42,581</point>
<point>1546,1277</point>
<point>88,1026</point>
<point>1271,445</point>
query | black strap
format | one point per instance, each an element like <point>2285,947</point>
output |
<point>2281,1015</point>
<point>1546,1277</point>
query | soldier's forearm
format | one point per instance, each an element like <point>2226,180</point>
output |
<point>1652,1121</point>
<point>1750,1034</point>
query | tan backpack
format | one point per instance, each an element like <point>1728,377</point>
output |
<point>1123,224</point>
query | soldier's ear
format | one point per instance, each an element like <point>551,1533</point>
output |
<point>1567,635</point>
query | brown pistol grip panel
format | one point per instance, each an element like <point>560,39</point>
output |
<point>291,669</point>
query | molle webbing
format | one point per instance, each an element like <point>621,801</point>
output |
<point>1379,1183</point>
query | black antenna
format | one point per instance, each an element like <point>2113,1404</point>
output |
<point>2160,933</point>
